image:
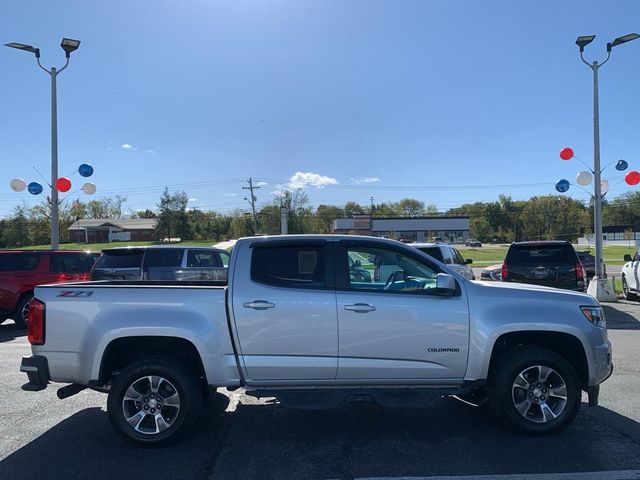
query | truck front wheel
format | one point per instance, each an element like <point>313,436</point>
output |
<point>154,400</point>
<point>534,389</point>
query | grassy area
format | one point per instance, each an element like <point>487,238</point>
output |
<point>488,255</point>
<point>96,247</point>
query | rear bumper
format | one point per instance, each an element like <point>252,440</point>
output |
<point>37,370</point>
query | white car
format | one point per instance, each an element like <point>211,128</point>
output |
<point>448,255</point>
<point>630,277</point>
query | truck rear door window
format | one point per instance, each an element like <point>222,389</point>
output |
<point>289,266</point>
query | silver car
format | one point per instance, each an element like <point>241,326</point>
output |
<point>448,255</point>
<point>183,263</point>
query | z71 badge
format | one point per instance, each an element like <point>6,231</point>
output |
<point>72,293</point>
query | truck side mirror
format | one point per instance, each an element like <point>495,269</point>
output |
<point>445,284</point>
<point>468,261</point>
<point>627,258</point>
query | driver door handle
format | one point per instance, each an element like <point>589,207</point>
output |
<point>360,308</point>
<point>259,305</point>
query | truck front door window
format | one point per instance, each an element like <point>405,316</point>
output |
<point>387,270</point>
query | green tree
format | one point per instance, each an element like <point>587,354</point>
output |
<point>173,220</point>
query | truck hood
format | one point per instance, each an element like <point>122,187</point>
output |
<point>528,290</point>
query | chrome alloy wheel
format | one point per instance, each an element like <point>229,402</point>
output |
<point>539,394</point>
<point>151,404</point>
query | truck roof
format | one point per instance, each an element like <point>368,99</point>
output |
<point>327,236</point>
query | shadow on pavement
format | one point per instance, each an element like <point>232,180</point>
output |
<point>267,441</point>
<point>10,331</point>
<point>618,319</point>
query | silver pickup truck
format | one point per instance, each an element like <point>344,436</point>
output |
<point>316,321</point>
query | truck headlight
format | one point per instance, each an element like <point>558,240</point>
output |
<point>595,315</point>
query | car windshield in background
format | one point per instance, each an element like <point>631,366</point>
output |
<point>540,254</point>
<point>433,251</point>
<point>120,259</point>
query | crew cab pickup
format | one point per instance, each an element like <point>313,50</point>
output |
<point>300,321</point>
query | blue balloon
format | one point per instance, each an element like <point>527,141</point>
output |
<point>562,185</point>
<point>85,170</point>
<point>34,188</point>
<point>622,165</point>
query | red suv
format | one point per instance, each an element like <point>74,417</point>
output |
<point>22,270</point>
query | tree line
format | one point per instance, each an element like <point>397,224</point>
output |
<point>503,220</point>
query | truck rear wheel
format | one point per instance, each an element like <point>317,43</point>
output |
<point>21,317</point>
<point>535,390</point>
<point>154,401</point>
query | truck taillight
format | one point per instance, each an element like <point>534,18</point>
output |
<point>505,272</point>
<point>35,322</point>
<point>579,271</point>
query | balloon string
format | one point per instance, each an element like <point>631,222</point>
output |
<point>590,169</point>
<point>45,180</point>
<point>71,173</point>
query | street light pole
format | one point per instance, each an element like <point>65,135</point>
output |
<point>601,287</point>
<point>68,45</point>
<point>597,190</point>
<point>55,215</point>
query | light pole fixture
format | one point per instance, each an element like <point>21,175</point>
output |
<point>599,287</point>
<point>68,45</point>
<point>584,41</point>
<point>26,48</point>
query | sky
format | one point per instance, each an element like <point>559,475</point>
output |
<point>445,101</point>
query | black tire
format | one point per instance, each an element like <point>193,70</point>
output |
<point>178,379</point>
<point>506,390</point>
<point>626,293</point>
<point>20,315</point>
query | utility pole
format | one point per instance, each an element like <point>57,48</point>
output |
<point>252,202</point>
<point>372,207</point>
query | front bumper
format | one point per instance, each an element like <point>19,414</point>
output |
<point>37,369</point>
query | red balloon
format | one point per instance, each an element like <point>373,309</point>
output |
<point>566,153</point>
<point>63,184</point>
<point>632,178</point>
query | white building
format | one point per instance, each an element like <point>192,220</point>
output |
<point>413,229</point>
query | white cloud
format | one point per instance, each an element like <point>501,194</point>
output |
<point>150,151</point>
<point>360,180</point>
<point>127,146</point>
<point>229,194</point>
<point>309,179</point>
<point>260,184</point>
<point>192,200</point>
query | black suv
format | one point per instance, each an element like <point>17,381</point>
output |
<point>551,263</point>
<point>184,263</point>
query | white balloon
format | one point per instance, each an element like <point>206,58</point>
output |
<point>89,188</point>
<point>604,187</point>
<point>583,178</point>
<point>18,184</point>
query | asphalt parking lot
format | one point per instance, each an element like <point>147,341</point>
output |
<point>43,437</point>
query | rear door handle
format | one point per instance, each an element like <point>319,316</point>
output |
<point>360,308</point>
<point>259,305</point>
